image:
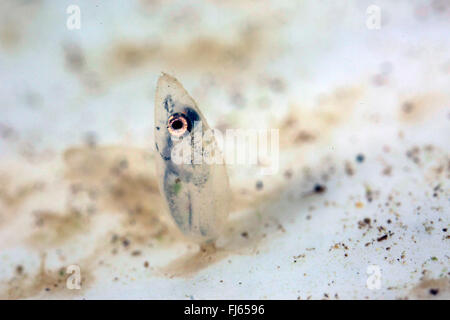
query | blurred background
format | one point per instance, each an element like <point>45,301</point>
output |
<point>363,113</point>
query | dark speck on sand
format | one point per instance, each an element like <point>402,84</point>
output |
<point>259,185</point>
<point>360,158</point>
<point>319,188</point>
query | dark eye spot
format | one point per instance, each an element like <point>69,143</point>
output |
<point>178,124</point>
<point>191,114</point>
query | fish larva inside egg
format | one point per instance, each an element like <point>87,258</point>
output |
<point>196,192</point>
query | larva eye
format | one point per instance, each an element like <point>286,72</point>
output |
<point>178,124</point>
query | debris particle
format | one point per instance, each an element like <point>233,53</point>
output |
<point>407,107</point>
<point>318,188</point>
<point>114,238</point>
<point>90,139</point>
<point>299,256</point>
<point>364,223</point>
<point>434,291</point>
<point>387,171</point>
<point>369,195</point>
<point>74,57</point>
<point>259,185</point>
<point>19,269</point>
<point>349,169</point>
<point>304,136</point>
<point>288,174</point>
<point>360,158</point>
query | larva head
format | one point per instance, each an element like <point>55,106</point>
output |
<point>176,114</point>
<point>196,191</point>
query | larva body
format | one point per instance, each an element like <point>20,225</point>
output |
<point>196,192</point>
